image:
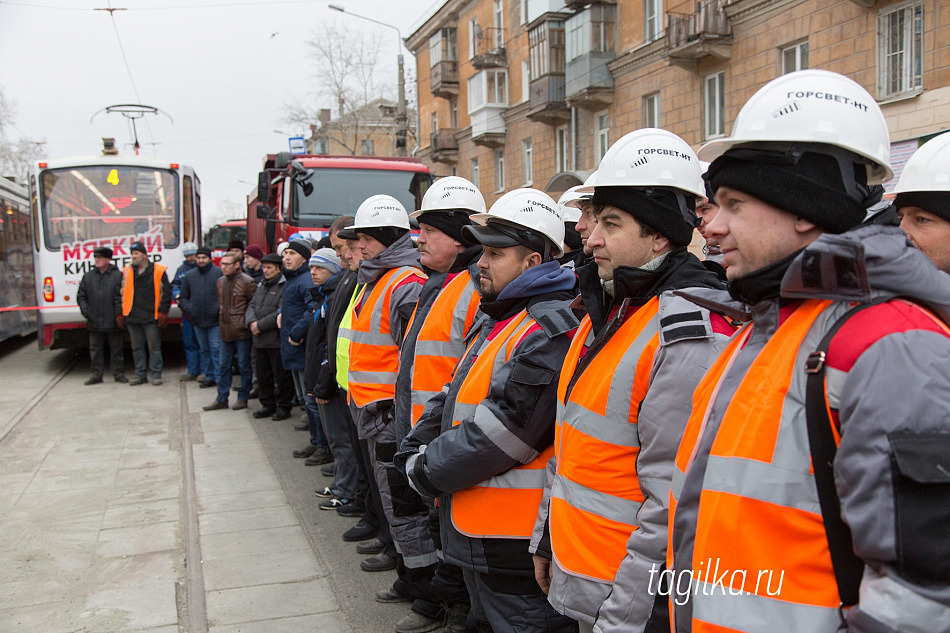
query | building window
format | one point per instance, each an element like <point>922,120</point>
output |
<point>367,148</point>
<point>591,31</point>
<point>715,104</point>
<point>524,11</point>
<point>527,162</point>
<point>795,57</point>
<point>443,46</point>
<point>473,172</point>
<point>601,135</point>
<point>562,148</point>
<point>454,112</point>
<point>487,88</point>
<point>900,49</point>
<point>652,20</point>
<point>435,122</point>
<point>499,170</point>
<point>525,80</point>
<point>546,48</point>
<point>473,33</point>
<point>499,23</point>
<point>651,110</point>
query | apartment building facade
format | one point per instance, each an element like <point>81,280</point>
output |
<point>518,93</point>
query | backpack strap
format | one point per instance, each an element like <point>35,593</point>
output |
<point>848,568</point>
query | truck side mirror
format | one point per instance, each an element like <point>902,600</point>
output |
<point>263,186</point>
<point>264,212</point>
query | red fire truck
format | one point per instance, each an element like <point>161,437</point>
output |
<point>306,193</point>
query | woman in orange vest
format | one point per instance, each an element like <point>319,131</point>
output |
<point>780,523</point>
<point>495,421</point>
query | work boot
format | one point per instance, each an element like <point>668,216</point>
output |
<point>320,456</point>
<point>307,451</point>
<point>456,615</point>
<point>327,470</point>
<point>417,623</point>
<point>93,380</point>
<point>121,378</point>
<point>390,596</point>
<point>380,562</point>
<point>370,548</point>
<point>282,414</point>
<point>263,413</point>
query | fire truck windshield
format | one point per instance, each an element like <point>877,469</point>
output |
<point>88,203</point>
<point>339,192</point>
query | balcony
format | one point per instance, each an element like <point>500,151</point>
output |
<point>442,145</point>
<point>444,79</point>
<point>590,84</point>
<point>546,101</point>
<point>537,9</point>
<point>490,49</point>
<point>704,33</point>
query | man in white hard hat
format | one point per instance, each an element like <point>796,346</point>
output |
<point>586,222</point>
<point>569,205</point>
<point>391,278</point>
<point>923,200</point>
<point>495,420</point>
<point>433,345</point>
<point>626,389</point>
<point>806,497</point>
<point>706,211</point>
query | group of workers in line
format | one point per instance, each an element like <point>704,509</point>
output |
<point>627,438</point>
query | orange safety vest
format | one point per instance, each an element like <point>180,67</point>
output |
<point>374,355</point>
<point>440,342</point>
<point>506,505</point>
<point>758,510</point>
<point>596,494</point>
<point>128,287</point>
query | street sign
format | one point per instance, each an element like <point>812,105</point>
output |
<point>297,145</point>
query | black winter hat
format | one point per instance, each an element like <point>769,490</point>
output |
<point>301,246</point>
<point>272,258</point>
<point>449,222</point>
<point>103,251</point>
<point>810,188</point>
<point>657,208</point>
<point>936,202</point>
<point>236,245</point>
<point>138,246</point>
<point>203,250</point>
<point>386,235</point>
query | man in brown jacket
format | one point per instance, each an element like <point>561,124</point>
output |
<point>235,291</point>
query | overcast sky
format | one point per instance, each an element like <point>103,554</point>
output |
<point>221,69</point>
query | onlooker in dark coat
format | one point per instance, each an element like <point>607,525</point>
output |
<point>275,383</point>
<point>199,300</point>
<point>188,338</point>
<point>146,299</point>
<point>235,291</point>
<point>253,256</point>
<point>100,301</point>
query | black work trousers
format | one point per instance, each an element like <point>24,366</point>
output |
<point>97,342</point>
<point>275,384</point>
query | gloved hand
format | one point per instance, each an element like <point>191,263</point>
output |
<point>120,321</point>
<point>162,320</point>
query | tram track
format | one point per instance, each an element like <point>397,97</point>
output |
<point>195,606</point>
<point>36,399</point>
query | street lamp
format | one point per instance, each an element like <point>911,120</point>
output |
<point>402,118</point>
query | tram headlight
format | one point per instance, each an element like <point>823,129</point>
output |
<point>48,294</point>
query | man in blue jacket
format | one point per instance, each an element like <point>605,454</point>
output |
<point>295,312</point>
<point>199,301</point>
<point>188,338</point>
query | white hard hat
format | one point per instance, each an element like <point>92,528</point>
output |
<point>649,158</point>
<point>569,204</point>
<point>929,168</point>
<point>381,211</point>
<point>813,106</point>
<point>591,180</point>
<point>451,193</point>
<point>521,216</point>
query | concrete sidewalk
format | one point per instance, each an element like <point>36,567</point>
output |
<point>91,516</point>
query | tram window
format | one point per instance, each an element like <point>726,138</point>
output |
<point>34,214</point>
<point>188,209</point>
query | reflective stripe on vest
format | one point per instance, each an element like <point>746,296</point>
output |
<point>128,287</point>
<point>506,505</point>
<point>759,520</point>
<point>596,494</point>
<point>441,340</point>
<point>343,341</point>
<point>374,355</point>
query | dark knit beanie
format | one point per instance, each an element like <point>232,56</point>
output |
<point>203,250</point>
<point>236,245</point>
<point>301,246</point>
<point>658,209</point>
<point>449,222</point>
<point>386,235</point>
<point>255,251</point>
<point>572,239</point>
<point>811,188</point>
<point>138,246</point>
<point>936,202</point>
